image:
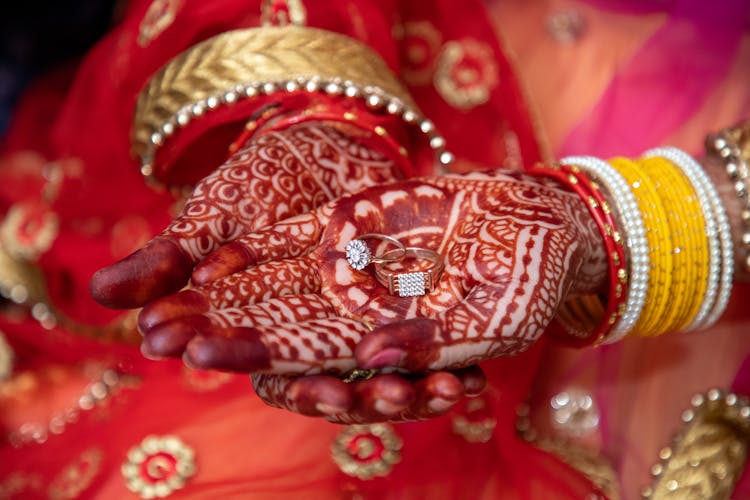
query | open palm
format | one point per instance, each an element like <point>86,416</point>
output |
<point>289,303</point>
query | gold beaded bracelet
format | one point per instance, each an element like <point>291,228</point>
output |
<point>732,147</point>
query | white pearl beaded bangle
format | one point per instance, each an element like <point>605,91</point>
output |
<point>721,251</point>
<point>375,98</point>
<point>634,234</point>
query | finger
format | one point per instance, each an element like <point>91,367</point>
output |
<point>492,321</point>
<point>381,398</point>
<point>314,395</point>
<point>388,399</point>
<point>473,380</point>
<point>215,213</point>
<point>291,238</point>
<point>303,348</point>
<point>261,283</point>
<point>436,394</point>
<point>169,339</point>
<point>155,270</point>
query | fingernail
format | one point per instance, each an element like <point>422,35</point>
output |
<point>390,356</point>
<point>329,409</point>
<point>439,405</point>
<point>386,407</point>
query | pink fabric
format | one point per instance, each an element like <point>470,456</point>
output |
<point>665,82</point>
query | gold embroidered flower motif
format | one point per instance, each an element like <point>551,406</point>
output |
<point>420,43</point>
<point>29,229</point>
<point>476,424</point>
<point>159,16</point>
<point>76,476</point>
<point>366,451</point>
<point>466,73</point>
<point>158,466</point>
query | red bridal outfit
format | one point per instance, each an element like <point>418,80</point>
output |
<point>85,415</point>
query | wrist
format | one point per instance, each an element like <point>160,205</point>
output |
<point>230,76</point>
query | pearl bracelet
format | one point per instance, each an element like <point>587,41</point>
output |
<point>634,234</point>
<point>375,98</point>
<point>721,261</point>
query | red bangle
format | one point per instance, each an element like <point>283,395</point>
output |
<point>376,134</point>
<point>252,126</point>
<point>586,319</point>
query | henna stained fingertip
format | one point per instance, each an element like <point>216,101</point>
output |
<point>236,349</point>
<point>158,269</point>
<point>229,259</point>
<point>181,304</point>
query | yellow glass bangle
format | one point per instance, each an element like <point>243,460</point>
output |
<point>671,191</point>
<point>690,252</point>
<point>659,242</point>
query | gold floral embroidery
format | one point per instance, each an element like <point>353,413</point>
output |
<point>366,451</point>
<point>20,281</point>
<point>707,459</point>
<point>94,399</point>
<point>159,16</point>
<point>158,466</point>
<point>595,467</point>
<point>28,230</point>
<point>477,424</point>
<point>16,483</point>
<point>420,43</point>
<point>466,73</point>
<point>283,13</point>
<point>76,477</point>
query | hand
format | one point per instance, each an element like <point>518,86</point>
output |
<point>514,249</point>
<point>274,176</point>
<point>387,397</point>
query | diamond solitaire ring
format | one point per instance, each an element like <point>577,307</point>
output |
<point>417,279</point>
<point>359,255</point>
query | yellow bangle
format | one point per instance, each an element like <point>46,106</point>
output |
<point>660,245</point>
<point>690,252</point>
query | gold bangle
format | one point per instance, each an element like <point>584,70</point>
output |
<point>244,63</point>
<point>659,240</point>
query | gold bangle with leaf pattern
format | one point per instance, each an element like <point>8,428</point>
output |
<point>247,63</point>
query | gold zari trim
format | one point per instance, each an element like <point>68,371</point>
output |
<point>707,459</point>
<point>267,54</point>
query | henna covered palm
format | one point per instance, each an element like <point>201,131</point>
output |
<point>274,176</point>
<point>289,303</point>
